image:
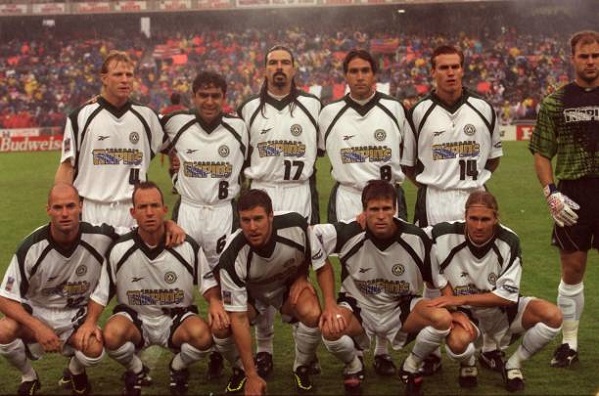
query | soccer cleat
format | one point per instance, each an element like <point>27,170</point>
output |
<point>315,368</point>
<point>492,360</point>
<point>80,384</point>
<point>133,383</point>
<point>413,382</point>
<point>179,381</point>
<point>302,379</point>
<point>29,388</point>
<point>215,366</point>
<point>383,365</point>
<point>264,364</point>
<point>564,356</point>
<point>468,377</point>
<point>236,381</point>
<point>65,380</point>
<point>146,380</point>
<point>513,379</point>
<point>352,383</point>
<point>431,365</point>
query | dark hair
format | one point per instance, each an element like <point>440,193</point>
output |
<point>253,198</point>
<point>175,98</point>
<point>146,185</point>
<point>293,94</point>
<point>209,79</point>
<point>117,56</point>
<point>482,198</point>
<point>583,37</point>
<point>378,189</point>
<point>446,50</point>
<point>362,54</point>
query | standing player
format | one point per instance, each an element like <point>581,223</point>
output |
<point>478,266</point>
<point>267,262</point>
<point>108,145</point>
<point>383,270</point>
<point>154,287</point>
<point>212,150</point>
<point>567,127</point>
<point>452,150</point>
<point>282,122</point>
<point>362,135</point>
<point>45,292</point>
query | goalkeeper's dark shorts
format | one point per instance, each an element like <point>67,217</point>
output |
<point>584,235</point>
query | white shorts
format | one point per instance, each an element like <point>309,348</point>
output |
<point>348,203</point>
<point>497,324</point>
<point>209,226</point>
<point>292,197</point>
<point>63,321</point>
<point>385,323</point>
<point>116,214</point>
<point>446,205</point>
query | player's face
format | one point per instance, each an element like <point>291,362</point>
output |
<point>117,83</point>
<point>379,217</point>
<point>360,78</point>
<point>64,209</point>
<point>586,64</point>
<point>448,74</point>
<point>256,225</point>
<point>209,102</point>
<point>148,210</point>
<point>480,223</point>
<point>279,70</point>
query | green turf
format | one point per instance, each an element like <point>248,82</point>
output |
<point>26,177</point>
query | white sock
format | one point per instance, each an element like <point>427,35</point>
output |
<point>306,343</point>
<point>265,330</point>
<point>14,353</point>
<point>466,358</point>
<point>126,356</point>
<point>570,299</point>
<point>342,348</point>
<point>226,347</point>
<point>187,356</point>
<point>80,361</point>
<point>533,341</point>
<point>381,346</point>
<point>427,340</point>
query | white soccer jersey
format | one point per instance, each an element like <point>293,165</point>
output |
<point>212,156</point>
<point>283,138</point>
<point>378,274</point>
<point>42,274</point>
<point>450,146</point>
<point>152,281</point>
<point>363,142</point>
<point>110,149</point>
<point>265,274</point>
<point>495,267</point>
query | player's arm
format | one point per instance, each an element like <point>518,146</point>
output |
<point>218,318</point>
<point>492,164</point>
<point>43,334</point>
<point>65,173</point>
<point>331,316</point>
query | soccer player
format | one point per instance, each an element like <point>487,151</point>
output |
<point>212,149</point>
<point>477,263</point>
<point>108,145</point>
<point>567,127</point>
<point>451,150</point>
<point>154,288</point>
<point>282,122</point>
<point>266,261</point>
<point>383,270</point>
<point>362,134</point>
<point>45,292</point>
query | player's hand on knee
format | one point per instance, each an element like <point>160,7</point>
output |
<point>561,207</point>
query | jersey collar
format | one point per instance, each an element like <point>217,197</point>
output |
<point>118,112</point>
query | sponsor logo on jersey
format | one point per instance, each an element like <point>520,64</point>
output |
<point>296,129</point>
<point>511,289</point>
<point>365,154</point>
<point>191,151</point>
<point>134,137</point>
<point>67,289</point>
<point>170,277</point>
<point>347,137</point>
<point>398,269</point>
<point>468,289</point>
<point>581,114</point>
<point>205,169</point>
<point>469,129</point>
<point>103,137</point>
<point>265,130</point>
<point>449,150</point>
<point>364,270</point>
<point>380,135</point>
<point>9,283</point>
<point>223,150</point>
<point>227,299</point>
<point>81,270</point>
<point>377,286</point>
<point>318,255</point>
<point>155,297</point>
<point>285,148</point>
<point>116,156</point>
<point>438,133</point>
<point>136,279</point>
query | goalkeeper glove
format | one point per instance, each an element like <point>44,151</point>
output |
<point>561,207</point>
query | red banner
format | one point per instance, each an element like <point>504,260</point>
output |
<point>524,131</point>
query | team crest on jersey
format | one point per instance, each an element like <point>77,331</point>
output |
<point>398,269</point>
<point>224,151</point>
<point>492,278</point>
<point>134,137</point>
<point>380,135</point>
<point>469,129</point>
<point>81,270</point>
<point>170,277</point>
<point>296,129</point>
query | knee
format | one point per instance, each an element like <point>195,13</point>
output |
<point>458,340</point>
<point>552,316</point>
<point>440,318</point>
<point>8,330</point>
<point>94,349</point>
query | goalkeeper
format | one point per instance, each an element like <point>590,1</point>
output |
<point>568,128</point>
